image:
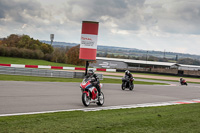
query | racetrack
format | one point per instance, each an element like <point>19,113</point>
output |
<point>149,76</point>
<point>23,97</point>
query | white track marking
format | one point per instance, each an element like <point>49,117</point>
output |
<point>113,107</point>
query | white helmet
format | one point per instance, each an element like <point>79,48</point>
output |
<point>127,72</point>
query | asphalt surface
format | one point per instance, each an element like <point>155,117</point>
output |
<point>146,80</point>
<point>23,97</point>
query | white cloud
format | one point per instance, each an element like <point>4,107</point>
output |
<point>24,26</point>
<point>146,24</point>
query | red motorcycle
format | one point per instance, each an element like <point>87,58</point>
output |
<point>90,93</point>
<point>183,82</point>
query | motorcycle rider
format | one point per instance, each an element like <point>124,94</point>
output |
<point>96,82</point>
<point>130,76</point>
<point>182,81</point>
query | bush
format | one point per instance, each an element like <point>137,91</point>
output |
<point>14,52</point>
<point>7,52</point>
<point>2,50</point>
<point>25,47</point>
<point>73,56</point>
<point>59,55</point>
<point>38,54</point>
<point>48,57</point>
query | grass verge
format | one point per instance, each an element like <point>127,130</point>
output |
<point>14,60</point>
<point>51,79</point>
<point>167,119</point>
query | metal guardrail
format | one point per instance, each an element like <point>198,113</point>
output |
<point>42,72</point>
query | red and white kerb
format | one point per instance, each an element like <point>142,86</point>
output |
<point>88,46</point>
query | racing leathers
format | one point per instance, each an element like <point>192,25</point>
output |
<point>95,82</point>
<point>130,76</point>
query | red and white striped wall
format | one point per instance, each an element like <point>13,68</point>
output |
<point>56,67</point>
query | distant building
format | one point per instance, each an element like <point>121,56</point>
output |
<point>188,67</point>
<point>117,63</point>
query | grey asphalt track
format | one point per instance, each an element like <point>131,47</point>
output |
<point>23,96</point>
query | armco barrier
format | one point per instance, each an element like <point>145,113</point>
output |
<point>42,72</point>
<point>56,67</point>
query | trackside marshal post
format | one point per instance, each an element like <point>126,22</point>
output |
<point>88,46</point>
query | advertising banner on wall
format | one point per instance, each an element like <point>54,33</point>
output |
<point>88,46</point>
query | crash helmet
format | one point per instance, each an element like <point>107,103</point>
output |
<point>127,72</point>
<point>90,72</point>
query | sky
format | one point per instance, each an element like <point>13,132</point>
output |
<point>161,25</point>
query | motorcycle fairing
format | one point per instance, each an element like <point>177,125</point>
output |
<point>86,85</point>
<point>93,90</point>
<point>87,93</point>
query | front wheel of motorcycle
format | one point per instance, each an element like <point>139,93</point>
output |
<point>85,99</point>
<point>101,99</point>
<point>123,86</point>
<point>131,87</point>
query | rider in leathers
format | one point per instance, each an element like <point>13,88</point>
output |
<point>96,82</point>
<point>127,73</point>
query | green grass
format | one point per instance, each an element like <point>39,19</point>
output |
<point>13,60</point>
<point>168,119</point>
<point>52,79</point>
<point>33,78</point>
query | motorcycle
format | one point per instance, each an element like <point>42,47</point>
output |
<point>90,93</point>
<point>183,82</point>
<point>127,83</point>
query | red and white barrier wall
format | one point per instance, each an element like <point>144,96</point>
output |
<point>56,67</point>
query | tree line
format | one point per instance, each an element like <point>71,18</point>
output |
<point>24,46</point>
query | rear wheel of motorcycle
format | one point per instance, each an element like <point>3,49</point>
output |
<point>123,86</point>
<point>85,99</point>
<point>101,99</point>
